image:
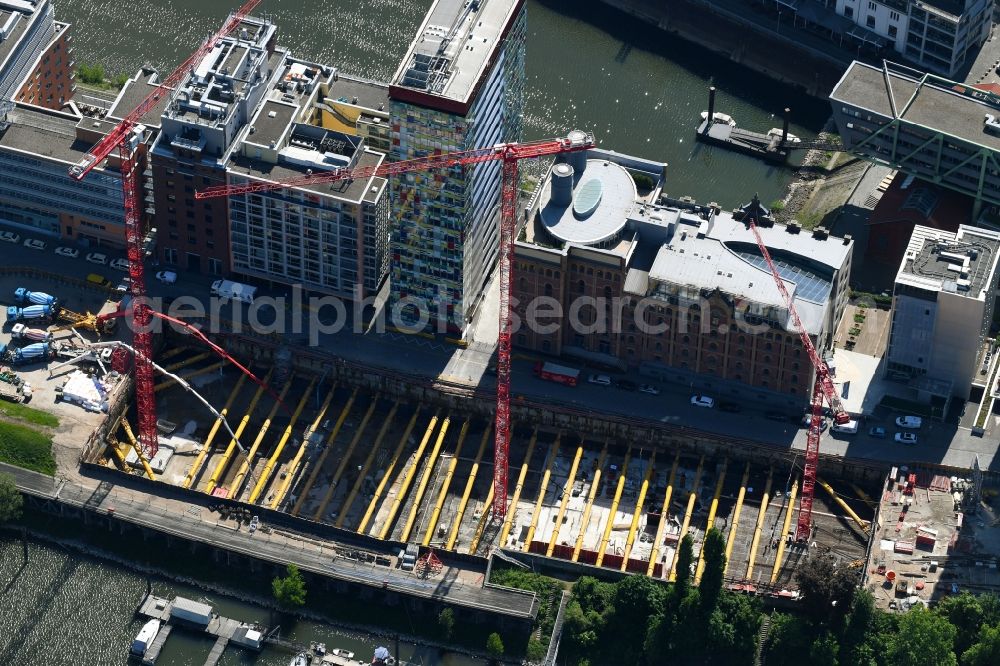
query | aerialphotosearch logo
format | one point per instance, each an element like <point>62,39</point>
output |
<point>319,316</point>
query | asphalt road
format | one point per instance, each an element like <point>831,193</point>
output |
<point>938,443</point>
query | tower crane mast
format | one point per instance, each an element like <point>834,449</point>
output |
<point>125,139</point>
<point>509,154</point>
<point>822,388</point>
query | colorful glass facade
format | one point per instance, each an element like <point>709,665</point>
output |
<point>444,223</point>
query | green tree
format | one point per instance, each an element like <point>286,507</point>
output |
<point>685,556</point>
<point>446,623</point>
<point>986,652</point>
<point>790,638</point>
<point>823,651</point>
<point>11,501</point>
<point>923,639</point>
<point>637,600</point>
<point>494,645</point>
<point>290,591</point>
<point>827,588</point>
<point>860,641</point>
<point>732,629</point>
<point>715,568</point>
<point>966,615</point>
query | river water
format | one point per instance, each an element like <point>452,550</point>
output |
<point>66,609</point>
<point>638,90</point>
<point>588,67</point>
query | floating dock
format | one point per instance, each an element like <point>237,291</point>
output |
<point>197,617</point>
<point>769,147</point>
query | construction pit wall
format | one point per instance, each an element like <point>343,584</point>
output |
<point>409,471</point>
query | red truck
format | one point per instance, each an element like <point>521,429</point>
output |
<point>557,373</point>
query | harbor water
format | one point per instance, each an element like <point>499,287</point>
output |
<point>589,66</point>
<point>67,609</point>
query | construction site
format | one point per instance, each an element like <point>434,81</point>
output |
<point>411,485</point>
<point>374,459</point>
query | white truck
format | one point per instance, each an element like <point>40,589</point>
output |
<point>236,291</point>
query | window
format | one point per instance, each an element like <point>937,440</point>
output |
<point>893,16</point>
<point>849,12</point>
<point>871,5</point>
<point>870,21</point>
<point>893,32</point>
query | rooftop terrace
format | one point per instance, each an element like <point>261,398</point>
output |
<point>453,48</point>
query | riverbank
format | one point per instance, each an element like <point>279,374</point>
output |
<point>321,606</point>
<point>746,43</point>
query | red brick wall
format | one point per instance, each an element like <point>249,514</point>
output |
<point>50,84</point>
<point>709,342</point>
<point>184,224</point>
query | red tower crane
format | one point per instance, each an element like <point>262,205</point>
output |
<point>822,388</point>
<point>125,139</point>
<point>509,154</point>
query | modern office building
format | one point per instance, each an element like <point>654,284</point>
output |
<point>673,290</point>
<point>937,130</point>
<point>37,147</point>
<point>50,79</point>
<point>330,238</point>
<point>460,86</point>
<point>938,35</point>
<point>942,309</point>
<point>198,131</point>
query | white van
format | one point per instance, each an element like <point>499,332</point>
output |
<point>234,290</point>
<point>849,428</point>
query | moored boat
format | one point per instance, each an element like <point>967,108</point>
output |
<point>145,637</point>
<point>718,117</point>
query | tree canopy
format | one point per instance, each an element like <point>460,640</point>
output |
<point>290,591</point>
<point>11,501</point>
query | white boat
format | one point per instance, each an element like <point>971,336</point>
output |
<point>718,117</point>
<point>145,637</point>
<point>346,654</point>
<point>301,659</point>
<point>776,132</point>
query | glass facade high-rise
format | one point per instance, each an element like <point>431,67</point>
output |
<point>460,87</point>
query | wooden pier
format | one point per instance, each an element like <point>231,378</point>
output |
<point>225,630</point>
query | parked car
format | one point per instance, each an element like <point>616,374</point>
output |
<point>603,380</point>
<point>702,401</point>
<point>34,244</point>
<point>97,258</point>
<point>626,385</point>
<point>650,389</point>
<point>254,523</point>
<point>99,280</point>
<point>167,277</point>
<point>731,407</point>
<point>10,237</point>
<point>120,264</point>
<point>70,252</point>
<point>849,428</point>
<point>909,438</point>
<point>912,422</point>
<point>878,432</point>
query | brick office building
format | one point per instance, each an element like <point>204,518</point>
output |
<point>695,300</point>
